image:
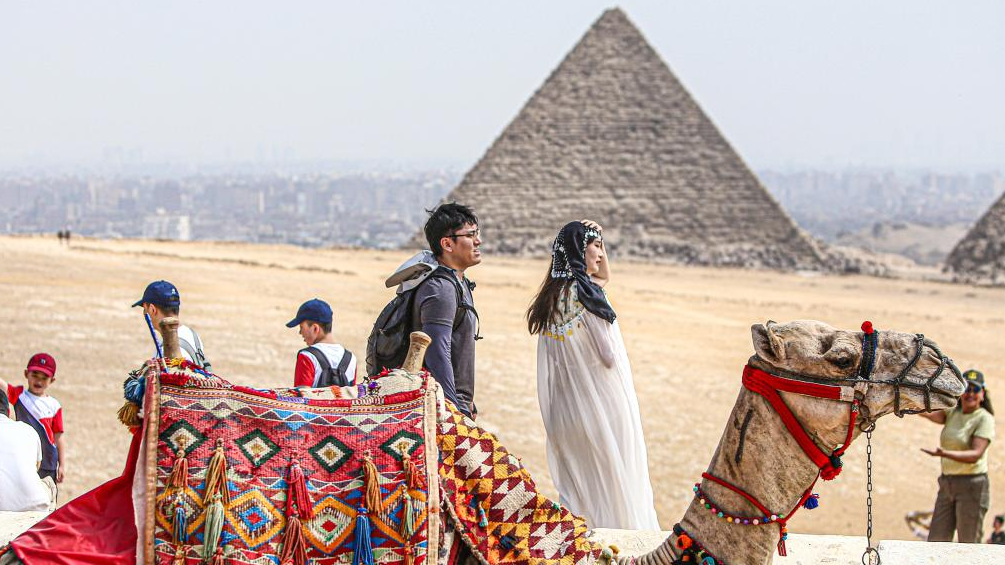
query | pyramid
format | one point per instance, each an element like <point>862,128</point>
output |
<point>613,136</point>
<point>979,257</point>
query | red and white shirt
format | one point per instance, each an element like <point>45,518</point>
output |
<point>45,409</point>
<point>308,370</point>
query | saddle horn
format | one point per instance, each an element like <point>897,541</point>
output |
<point>417,344</point>
<point>169,333</point>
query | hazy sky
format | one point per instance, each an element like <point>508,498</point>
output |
<point>890,83</point>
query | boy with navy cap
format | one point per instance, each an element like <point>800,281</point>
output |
<point>323,362</point>
<point>161,300</point>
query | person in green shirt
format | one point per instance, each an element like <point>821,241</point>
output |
<point>964,492</point>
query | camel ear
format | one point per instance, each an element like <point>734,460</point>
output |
<point>767,345</point>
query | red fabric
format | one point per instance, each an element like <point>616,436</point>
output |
<point>304,374</point>
<point>96,528</point>
<point>57,422</point>
<point>13,393</point>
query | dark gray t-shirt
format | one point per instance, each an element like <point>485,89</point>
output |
<point>451,355</point>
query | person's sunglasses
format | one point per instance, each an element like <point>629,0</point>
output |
<point>473,234</point>
<point>974,389</point>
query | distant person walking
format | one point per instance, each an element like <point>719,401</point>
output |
<point>37,408</point>
<point>21,488</point>
<point>444,307</point>
<point>964,491</point>
<point>324,362</point>
<point>596,450</point>
<point>161,300</point>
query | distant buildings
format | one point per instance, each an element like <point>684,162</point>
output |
<point>372,210</point>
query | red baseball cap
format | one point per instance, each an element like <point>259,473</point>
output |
<point>42,362</point>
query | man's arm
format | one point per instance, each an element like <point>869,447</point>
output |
<point>437,308</point>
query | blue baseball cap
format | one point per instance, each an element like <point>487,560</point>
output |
<point>160,293</point>
<point>314,310</point>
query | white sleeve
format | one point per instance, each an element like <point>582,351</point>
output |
<point>38,448</point>
<point>350,371</point>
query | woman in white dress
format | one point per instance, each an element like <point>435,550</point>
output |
<point>596,451</point>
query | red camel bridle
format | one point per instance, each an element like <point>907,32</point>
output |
<point>851,390</point>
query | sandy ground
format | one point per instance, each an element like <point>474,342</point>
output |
<point>687,331</point>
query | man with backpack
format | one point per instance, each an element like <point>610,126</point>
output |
<point>323,363</point>
<point>161,300</point>
<point>435,296</point>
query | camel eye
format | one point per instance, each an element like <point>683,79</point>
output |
<point>843,362</point>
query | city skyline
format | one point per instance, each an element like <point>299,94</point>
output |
<point>902,85</point>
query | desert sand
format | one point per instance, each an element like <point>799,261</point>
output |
<point>687,332</point>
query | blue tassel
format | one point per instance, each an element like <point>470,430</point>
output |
<point>812,502</point>
<point>483,520</point>
<point>363,554</point>
<point>133,390</point>
<point>180,524</point>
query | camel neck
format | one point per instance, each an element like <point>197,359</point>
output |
<point>757,454</point>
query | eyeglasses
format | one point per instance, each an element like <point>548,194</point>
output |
<point>974,389</point>
<point>473,234</point>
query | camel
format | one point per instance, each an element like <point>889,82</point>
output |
<point>758,453</point>
<point>834,384</point>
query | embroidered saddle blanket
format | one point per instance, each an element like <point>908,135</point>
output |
<point>231,475</point>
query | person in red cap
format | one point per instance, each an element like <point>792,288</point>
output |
<point>35,407</point>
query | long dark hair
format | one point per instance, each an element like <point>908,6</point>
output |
<point>542,310</point>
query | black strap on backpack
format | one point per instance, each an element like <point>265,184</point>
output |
<point>388,341</point>
<point>331,376</point>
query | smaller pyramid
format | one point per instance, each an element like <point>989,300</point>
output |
<point>979,258</point>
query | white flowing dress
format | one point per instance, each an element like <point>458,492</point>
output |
<point>596,450</point>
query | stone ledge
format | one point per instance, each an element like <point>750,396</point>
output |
<point>805,549</point>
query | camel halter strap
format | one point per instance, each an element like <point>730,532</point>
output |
<point>768,386</point>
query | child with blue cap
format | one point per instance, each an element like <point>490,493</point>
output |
<point>324,362</point>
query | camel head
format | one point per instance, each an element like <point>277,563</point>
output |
<point>815,351</point>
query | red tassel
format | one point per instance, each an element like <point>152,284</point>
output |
<point>298,494</point>
<point>371,486</point>
<point>179,556</point>
<point>413,478</point>
<point>867,327</point>
<point>409,554</point>
<point>217,557</point>
<point>179,472</point>
<point>781,548</point>
<point>783,534</point>
<point>294,545</point>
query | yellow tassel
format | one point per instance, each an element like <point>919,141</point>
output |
<point>216,476</point>
<point>179,556</point>
<point>129,415</point>
<point>371,484</point>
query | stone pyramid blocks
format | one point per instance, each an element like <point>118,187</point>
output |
<point>613,135</point>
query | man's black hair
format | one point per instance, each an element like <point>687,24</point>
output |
<point>169,310</point>
<point>443,221</point>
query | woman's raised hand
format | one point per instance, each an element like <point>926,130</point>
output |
<point>592,225</point>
